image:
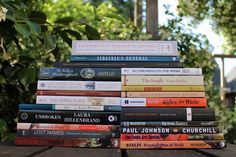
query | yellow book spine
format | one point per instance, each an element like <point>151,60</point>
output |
<point>162,94</point>
<point>162,80</point>
<point>162,88</point>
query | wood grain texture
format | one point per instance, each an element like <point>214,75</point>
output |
<point>81,152</point>
<point>10,150</point>
<point>229,151</point>
<point>164,153</point>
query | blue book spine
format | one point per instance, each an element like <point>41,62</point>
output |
<point>36,106</point>
<point>76,58</point>
<point>64,107</point>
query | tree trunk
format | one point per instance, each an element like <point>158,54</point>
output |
<point>152,18</point>
<point>138,4</point>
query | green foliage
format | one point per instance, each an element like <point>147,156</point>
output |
<point>41,33</point>
<point>222,14</point>
<point>195,51</point>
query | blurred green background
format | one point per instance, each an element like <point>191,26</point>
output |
<point>35,34</point>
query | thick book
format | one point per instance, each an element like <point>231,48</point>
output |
<point>170,137</point>
<point>162,94</point>
<point>79,85</point>
<point>163,102</point>
<point>161,80</point>
<point>161,71</point>
<point>78,100</point>
<point>67,133</point>
<point>190,144</point>
<point>69,107</point>
<point>78,93</point>
<point>118,64</point>
<point>81,74</point>
<point>68,142</point>
<point>134,48</point>
<point>161,88</point>
<point>167,114</point>
<point>169,130</point>
<point>170,123</point>
<point>69,117</point>
<point>80,127</point>
<point>125,58</point>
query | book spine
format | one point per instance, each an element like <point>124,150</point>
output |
<point>69,117</point>
<point>78,93</point>
<point>163,102</point>
<point>79,85</point>
<point>78,100</point>
<point>162,80</point>
<point>78,127</point>
<point>67,133</point>
<point>172,144</point>
<point>149,48</point>
<point>68,107</point>
<point>170,123</point>
<point>170,137</point>
<point>119,64</point>
<point>162,94</point>
<point>68,142</point>
<point>167,114</point>
<point>100,58</point>
<point>163,88</point>
<point>82,74</point>
<point>161,71</point>
<point>170,130</point>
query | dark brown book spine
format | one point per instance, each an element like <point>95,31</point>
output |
<point>78,93</point>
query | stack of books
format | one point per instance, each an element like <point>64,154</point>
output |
<point>166,108</point>
<point>75,107</point>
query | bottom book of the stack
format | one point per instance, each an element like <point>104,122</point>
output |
<point>144,144</point>
<point>68,142</point>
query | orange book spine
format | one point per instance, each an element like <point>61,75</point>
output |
<point>80,127</point>
<point>171,144</point>
<point>164,102</point>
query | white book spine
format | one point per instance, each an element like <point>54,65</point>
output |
<point>137,102</point>
<point>77,100</point>
<point>161,71</point>
<point>147,48</point>
<point>79,85</point>
<point>78,107</point>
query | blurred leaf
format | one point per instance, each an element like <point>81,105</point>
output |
<point>23,29</point>
<point>92,33</point>
<point>20,14</point>
<point>74,34</point>
<point>65,38</point>
<point>34,27</point>
<point>2,80</point>
<point>26,75</point>
<point>115,16</point>
<point>49,42</point>
<point>65,20</point>
<point>38,17</point>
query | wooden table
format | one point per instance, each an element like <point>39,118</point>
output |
<point>9,150</point>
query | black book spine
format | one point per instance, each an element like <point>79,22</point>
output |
<point>170,130</point>
<point>82,74</point>
<point>119,64</point>
<point>167,114</point>
<point>67,133</point>
<point>69,117</point>
<point>171,123</point>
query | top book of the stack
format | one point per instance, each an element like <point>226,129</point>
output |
<point>131,48</point>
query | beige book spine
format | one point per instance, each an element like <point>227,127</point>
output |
<point>162,94</point>
<point>162,80</point>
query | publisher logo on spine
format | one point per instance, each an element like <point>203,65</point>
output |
<point>87,73</point>
<point>112,118</point>
<point>24,116</point>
